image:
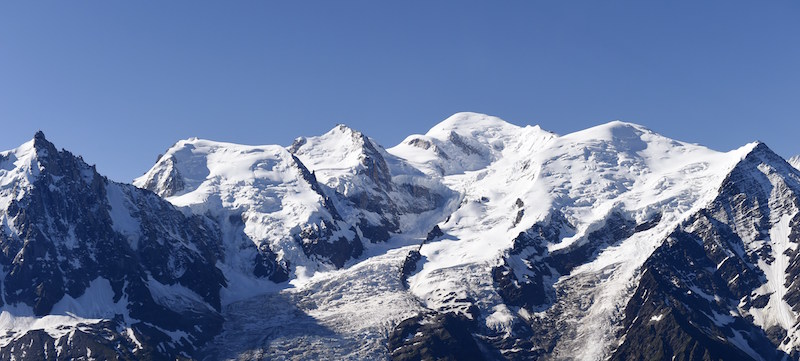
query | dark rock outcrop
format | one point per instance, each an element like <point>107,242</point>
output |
<point>73,228</point>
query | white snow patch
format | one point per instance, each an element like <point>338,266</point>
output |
<point>795,161</point>
<point>777,311</point>
<point>19,168</point>
<point>501,319</point>
<point>176,296</point>
<point>94,305</point>
<point>120,212</point>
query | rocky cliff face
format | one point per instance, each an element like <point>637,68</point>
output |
<point>724,284</point>
<point>90,265</point>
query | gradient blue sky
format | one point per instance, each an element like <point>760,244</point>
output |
<point>118,82</point>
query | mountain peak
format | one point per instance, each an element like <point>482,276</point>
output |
<point>622,136</point>
<point>760,151</point>
<point>346,131</point>
<point>795,161</point>
<point>35,151</point>
<point>613,129</point>
<point>340,139</point>
<point>621,124</point>
<point>468,123</point>
<point>41,143</point>
<point>341,127</point>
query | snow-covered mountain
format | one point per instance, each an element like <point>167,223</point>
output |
<point>477,240</point>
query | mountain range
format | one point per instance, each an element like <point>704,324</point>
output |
<point>478,240</point>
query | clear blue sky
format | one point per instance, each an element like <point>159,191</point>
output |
<point>120,81</point>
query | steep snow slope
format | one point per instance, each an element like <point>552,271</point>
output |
<point>272,211</point>
<point>795,161</point>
